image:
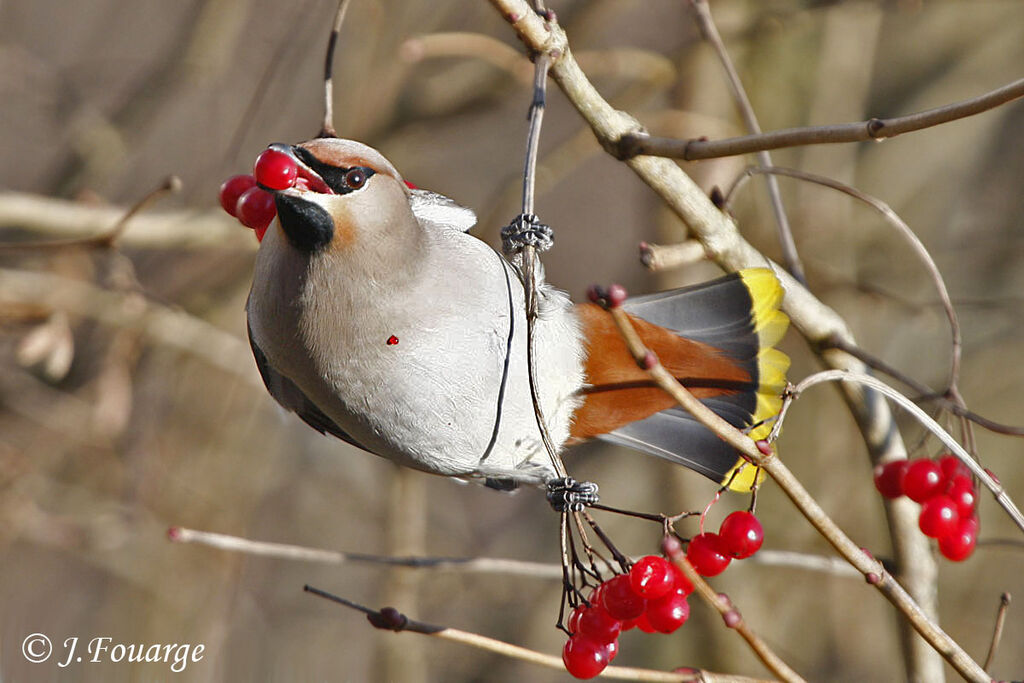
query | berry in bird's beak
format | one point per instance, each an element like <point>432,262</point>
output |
<point>275,169</point>
<point>250,198</point>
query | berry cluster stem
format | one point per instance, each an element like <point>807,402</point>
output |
<point>865,564</point>
<point>673,549</point>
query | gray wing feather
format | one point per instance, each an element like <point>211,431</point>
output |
<point>437,212</point>
<point>674,435</point>
<point>288,394</point>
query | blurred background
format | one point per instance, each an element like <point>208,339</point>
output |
<point>129,402</point>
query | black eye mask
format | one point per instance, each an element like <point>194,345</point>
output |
<point>336,178</point>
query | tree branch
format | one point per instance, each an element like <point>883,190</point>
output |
<point>639,143</point>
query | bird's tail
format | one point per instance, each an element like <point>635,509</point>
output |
<point>718,339</point>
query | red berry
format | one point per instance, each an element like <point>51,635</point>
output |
<point>939,517</point>
<point>706,555</point>
<point>584,658</point>
<point>573,623</point>
<point>961,490</point>
<point>889,478</point>
<point>256,208</point>
<point>644,624</point>
<point>597,595</point>
<point>613,647</point>
<point>668,613</point>
<point>951,467</point>
<point>923,480</point>
<point>959,545</point>
<point>233,188</point>
<point>681,582</point>
<point>741,534</point>
<point>620,600</point>
<point>260,232</point>
<point>275,169</point>
<point>651,577</point>
<point>410,185</point>
<point>595,623</point>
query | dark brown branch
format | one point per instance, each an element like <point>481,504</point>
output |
<point>328,131</point>
<point>997,630</point>
<point>634,144</point>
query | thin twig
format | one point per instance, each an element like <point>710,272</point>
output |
<point>673,549</point>
<point>873,570</point>
<point>529,256</point>
<point>285,551</point>
<point>328,131</point>
<point>893,219</point>
<point>473,565</point>
<point>997,630</point>
<point>925,393</point>
<point>710,32</point>
<point>873,129</point>
<point>71,220</point>
<point>391,619</point>
<point>1000,494</point>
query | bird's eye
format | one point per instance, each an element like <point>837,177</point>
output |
<point>355,178</point>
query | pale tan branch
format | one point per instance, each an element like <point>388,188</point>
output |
<point>165,326</point>
<point>59,218</point>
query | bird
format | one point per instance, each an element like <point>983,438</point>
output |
<point>377,318</point>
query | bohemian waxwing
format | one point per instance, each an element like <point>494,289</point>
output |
<point>375,317</point>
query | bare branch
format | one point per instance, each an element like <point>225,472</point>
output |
<point>997,630</point>
<point>639,143</point>
<point>60,218</point>
<point>893,219</point>
<point>673,549</point>
<point>710,31</point>
<point>327,130</point>
<point>165,326</point>
<point>723,244</point>
<point>391,619</point>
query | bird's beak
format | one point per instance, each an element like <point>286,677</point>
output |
<point>308,179</point>
<point>307,225</point>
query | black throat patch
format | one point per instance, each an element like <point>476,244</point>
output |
<point>307,226</point>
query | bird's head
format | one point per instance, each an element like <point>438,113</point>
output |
<point>347,198</point>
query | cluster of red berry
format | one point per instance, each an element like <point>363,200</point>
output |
<point>242,197</point>
<point>652,596</point>
<point>947,495</point>
<point>739,537</point>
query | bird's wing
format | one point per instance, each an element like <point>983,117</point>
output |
<point>288,394</point>
<point>437,212</point>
